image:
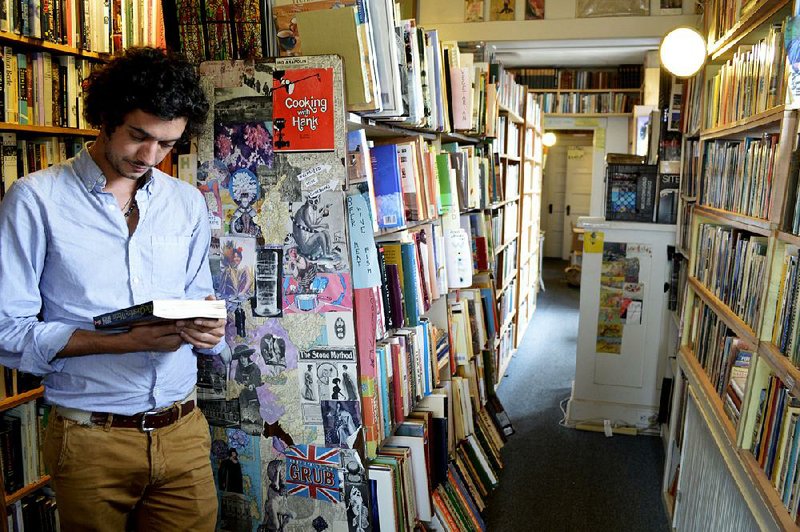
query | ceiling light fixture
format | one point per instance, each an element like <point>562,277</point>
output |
<point>683,52</point>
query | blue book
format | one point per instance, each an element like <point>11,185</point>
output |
<point>426,353</point>
<point>381,354</point>
<point>411,284</point>
<point>387,186</point>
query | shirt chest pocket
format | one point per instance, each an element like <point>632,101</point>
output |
<point>170,258</point>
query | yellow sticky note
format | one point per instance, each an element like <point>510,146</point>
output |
<point>600,138</point>
<point>593,242</point>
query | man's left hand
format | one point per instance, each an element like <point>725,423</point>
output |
<point>203,333</point>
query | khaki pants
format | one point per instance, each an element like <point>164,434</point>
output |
<point>113,479</point>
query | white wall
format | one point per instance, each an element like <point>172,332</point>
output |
<point>559,23</point>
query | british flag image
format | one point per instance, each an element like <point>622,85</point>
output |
<point>313,472</point>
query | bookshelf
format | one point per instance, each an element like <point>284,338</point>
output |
<point>734,362</point>
<point>530,193</point>
<point>586,92</point>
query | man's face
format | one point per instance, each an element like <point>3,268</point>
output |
<point>139,143</point>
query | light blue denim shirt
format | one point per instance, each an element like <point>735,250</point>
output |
<point>65,253</point>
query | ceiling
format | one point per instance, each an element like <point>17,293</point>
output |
<point>572,52</point>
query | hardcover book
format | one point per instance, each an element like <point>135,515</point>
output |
<point>161,310</point>
<point>302,110</point>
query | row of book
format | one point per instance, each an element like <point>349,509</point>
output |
<point>723,15</point>
<point>576,102</point>
<point>724,357</point>
<point>751,82</point>
<point>20,156</point>
<point>42,89</point>
<point>623,77</point>
<point>21,435</point>
<point>691,114</point>
<point>511,93</point>
<point>738,175</point>
<point>412,180</point>
<point>36,512</point>
<point>690,176</point>
<point>103,27</point>
<point>508,135</point>
<point>776,441</point>
<point>786,328</point>
<point>732,265</point>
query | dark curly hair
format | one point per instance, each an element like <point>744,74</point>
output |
<point>152,80</point>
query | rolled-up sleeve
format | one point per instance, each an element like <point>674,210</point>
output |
<point>198,272</point>
<point>26,343</point>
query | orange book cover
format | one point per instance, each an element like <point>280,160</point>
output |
<point>302,110</point>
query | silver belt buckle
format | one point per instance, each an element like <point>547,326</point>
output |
<point>144,420</point>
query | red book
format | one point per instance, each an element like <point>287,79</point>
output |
<point>397,383</point>
<point>302,110</point>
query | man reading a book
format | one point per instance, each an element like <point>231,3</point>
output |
<point>125,444</point>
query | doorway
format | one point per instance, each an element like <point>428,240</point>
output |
<point>566,189</point>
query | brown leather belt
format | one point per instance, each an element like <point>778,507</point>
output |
<point>146,421</point>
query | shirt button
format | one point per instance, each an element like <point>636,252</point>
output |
<point>135,280</point>
<point>111,206</point>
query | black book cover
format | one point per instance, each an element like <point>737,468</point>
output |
<point>385,289</point>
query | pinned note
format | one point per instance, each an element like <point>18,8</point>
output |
<point>593,242</point>
<point>366,272</point>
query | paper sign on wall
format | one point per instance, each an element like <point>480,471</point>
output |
<point>593,242</point>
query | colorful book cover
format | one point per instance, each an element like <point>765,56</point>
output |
<point>387,186</point>
<point>302,110</point>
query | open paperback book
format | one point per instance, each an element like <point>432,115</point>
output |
<point>161,310</point>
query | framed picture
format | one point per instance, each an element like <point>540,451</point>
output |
<point>502,10</point>
<point>611,8</point>
<point>534,9</point>
<point>473,10</point>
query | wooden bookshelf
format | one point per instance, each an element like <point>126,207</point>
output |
<point>587,91</point>
<point>24,397</point>
<point>781,366</point>
<point>48,130</point>
<point>27,490</point>
<point>749,23</point>
<point>699,380</point>
<point>789,238</point>
<point>731,439</point>
<point>757,226</point>
<point>41,44</point>
<point>512,116</point>
<point>753,125</point>
<point>734,322</point>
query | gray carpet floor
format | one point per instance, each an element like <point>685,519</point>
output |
<point>557,478</point>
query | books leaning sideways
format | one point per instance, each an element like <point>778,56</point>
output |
<point>161,310</point>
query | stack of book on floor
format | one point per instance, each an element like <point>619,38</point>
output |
<point>437,469</point>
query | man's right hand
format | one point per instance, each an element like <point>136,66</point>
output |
<point>162,337</point>
<point>158,337</point>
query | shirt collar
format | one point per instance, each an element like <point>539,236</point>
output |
<point>92,176</point>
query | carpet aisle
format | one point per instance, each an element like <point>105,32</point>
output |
<point>561,479</point>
